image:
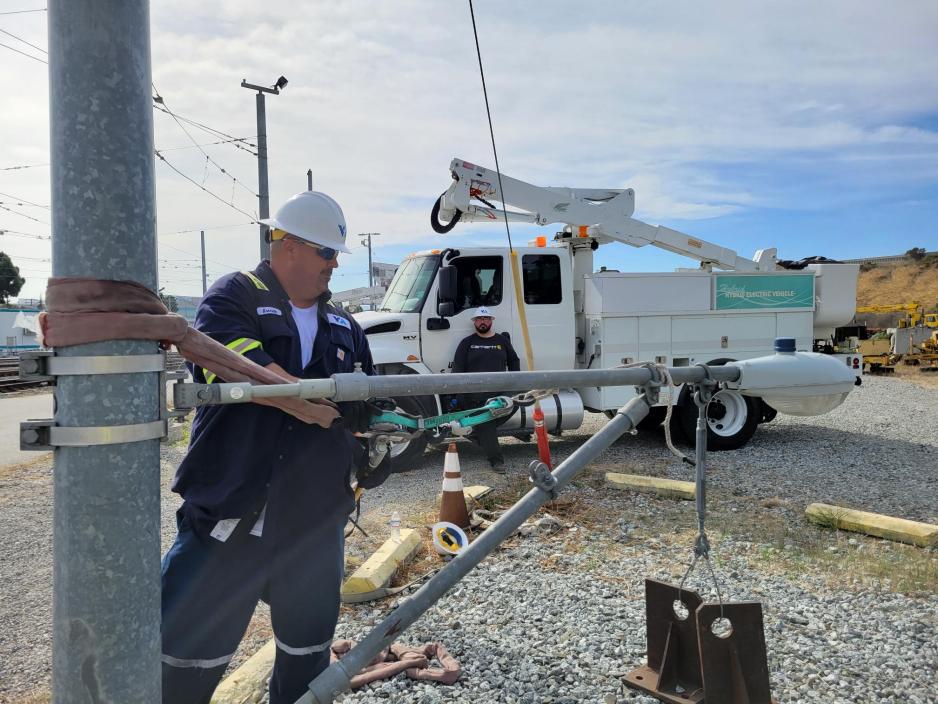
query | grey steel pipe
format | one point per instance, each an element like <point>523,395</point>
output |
<point>337,677</point>
<point>358,387</point>
<point>106,518</point>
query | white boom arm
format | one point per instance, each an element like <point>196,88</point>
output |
<point>604,215</point>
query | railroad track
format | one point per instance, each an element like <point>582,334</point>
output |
<point>10,381</point>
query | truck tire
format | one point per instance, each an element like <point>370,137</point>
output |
<point>405,455</point>
<point>732,419</point>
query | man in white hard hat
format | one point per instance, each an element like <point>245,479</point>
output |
<point>267,496</point>
<point>485,351</point>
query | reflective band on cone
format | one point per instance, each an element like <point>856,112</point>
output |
<point>453,502</point>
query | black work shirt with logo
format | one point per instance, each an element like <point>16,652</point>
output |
<point>484,354</point>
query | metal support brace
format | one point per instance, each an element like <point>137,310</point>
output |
<point>43,434</point>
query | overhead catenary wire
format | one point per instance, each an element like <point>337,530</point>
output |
<point>3,206</point>
<point>22,166</point>
<point>34,58</point>
<point>238,142</point>
<point>22,12</point>
<point>161,100</point>
<point>10,34</point>
<point>22,201</point>
<point>200,186</point>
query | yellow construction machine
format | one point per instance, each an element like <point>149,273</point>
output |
<point>915,314</point>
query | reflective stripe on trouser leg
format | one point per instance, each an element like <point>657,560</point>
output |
<point>304,607</point>
<point>210,590</point>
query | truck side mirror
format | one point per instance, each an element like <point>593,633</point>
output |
<point>446,292</point>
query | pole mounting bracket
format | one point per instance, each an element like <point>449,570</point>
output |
<point>44,434</point>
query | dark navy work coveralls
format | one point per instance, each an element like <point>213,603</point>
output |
<point>266,500</point>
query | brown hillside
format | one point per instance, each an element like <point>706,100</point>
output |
<point>889,284</point>
<point>899,283</point>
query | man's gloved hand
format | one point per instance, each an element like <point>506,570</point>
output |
<point>369,477</point>
<point>356,415</point>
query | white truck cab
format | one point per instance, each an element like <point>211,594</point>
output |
<point>579,318</point>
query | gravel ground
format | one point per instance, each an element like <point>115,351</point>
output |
<point>560,618</point>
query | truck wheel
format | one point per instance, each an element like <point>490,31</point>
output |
<point>407,454</point>
<point>732,419</point>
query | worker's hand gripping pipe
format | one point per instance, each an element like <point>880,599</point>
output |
<point>337,677</point>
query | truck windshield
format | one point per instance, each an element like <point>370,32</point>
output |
<point>409,287</point>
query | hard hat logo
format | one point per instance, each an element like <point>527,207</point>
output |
<point>311,216</point>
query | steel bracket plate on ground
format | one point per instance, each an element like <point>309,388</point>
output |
<point>43,365</point>
<point>44,434</point>
<point>673,670</point>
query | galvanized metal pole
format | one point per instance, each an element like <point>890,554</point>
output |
<point>204,275</point>
<point>309,180</point>
<point>106,537</point>
<point>263,195</point>
<point>337,677</point>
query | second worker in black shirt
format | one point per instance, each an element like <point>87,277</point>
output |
<point>485,351</point>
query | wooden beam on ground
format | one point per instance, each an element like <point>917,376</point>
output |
<point>875,524</point>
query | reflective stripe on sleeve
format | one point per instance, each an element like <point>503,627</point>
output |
<point>308,650</point>
<point>256,281</point>
<point>242,346</point>
<point>201,664</point>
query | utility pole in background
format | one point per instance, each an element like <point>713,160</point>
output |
<point>106,518</point>
<point>263,193</point>
<point>309,180</point>
<point>371,274</point>
<point>204,278</point>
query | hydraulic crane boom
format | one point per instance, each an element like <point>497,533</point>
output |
<point>604,215</point>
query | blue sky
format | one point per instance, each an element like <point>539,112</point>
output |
<point>809,127</point>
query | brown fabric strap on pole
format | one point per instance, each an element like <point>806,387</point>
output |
<point>81,311</point>
<point>414,661</point>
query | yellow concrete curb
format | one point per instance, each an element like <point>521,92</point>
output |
<point>377,570</point>
<point>247,684</point>
<point>668,488</point>
<point>898,529</point>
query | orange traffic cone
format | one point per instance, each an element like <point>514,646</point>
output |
<point>453,503</point>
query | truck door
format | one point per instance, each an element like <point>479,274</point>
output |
<point>481,281</point>
<point>548,306</point>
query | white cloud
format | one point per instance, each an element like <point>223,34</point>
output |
<point>665,98</point>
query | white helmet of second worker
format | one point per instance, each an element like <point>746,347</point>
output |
<point>482,312</point>
<point>314,217</point>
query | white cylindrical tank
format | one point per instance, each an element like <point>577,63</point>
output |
<point>562,411</point>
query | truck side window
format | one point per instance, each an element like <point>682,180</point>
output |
<point>541,276</point>
<point>478,282</point>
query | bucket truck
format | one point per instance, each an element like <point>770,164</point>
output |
<point>729,308</point>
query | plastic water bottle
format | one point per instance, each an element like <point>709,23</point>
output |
<point>395,525</point>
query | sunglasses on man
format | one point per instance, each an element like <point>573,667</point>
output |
<point>327,253</point>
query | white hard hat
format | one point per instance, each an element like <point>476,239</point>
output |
<point>314,217</point>
<point>482,312</point>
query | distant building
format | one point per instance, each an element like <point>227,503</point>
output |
<point>18,330</point>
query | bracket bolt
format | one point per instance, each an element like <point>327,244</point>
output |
<point>29,436</point>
